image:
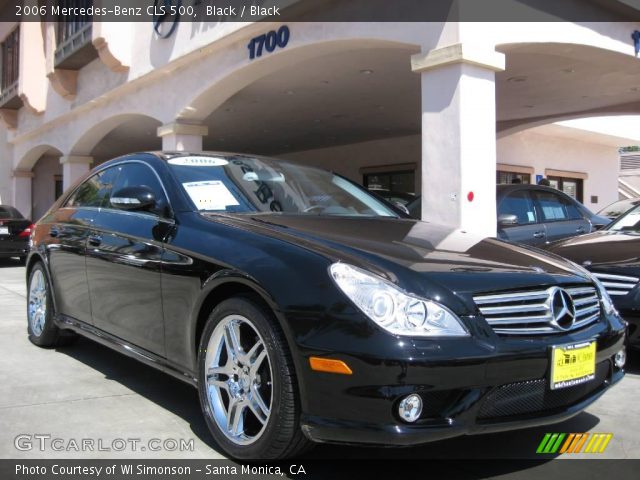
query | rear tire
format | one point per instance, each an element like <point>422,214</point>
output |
<point>245,370</point>
<point>40,326</point>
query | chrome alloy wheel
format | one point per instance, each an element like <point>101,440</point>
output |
<point>238,379</point>
<point>37,302</point>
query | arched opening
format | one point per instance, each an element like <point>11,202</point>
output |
<point>350,109</point>
<point>118,135</point>
<point>548,82</point>
<point>37,180</point>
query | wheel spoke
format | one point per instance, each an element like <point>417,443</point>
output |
<point>248,357</point>
<point>232,340</point>
<point>257,400</point>
<point>255,366</point>
<point>235,424</point>
<point>219,370</point>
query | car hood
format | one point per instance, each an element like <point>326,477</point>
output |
<point>459,261</point>
<point>602,249</point>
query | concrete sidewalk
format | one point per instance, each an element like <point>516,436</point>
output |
<point>86,391</point>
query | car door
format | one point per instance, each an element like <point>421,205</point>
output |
<point>124,262</point>
<point>528,229</point>
<point>560,214</point>
<point>68,230</point>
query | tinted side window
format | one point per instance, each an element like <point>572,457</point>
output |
<point>95,191</point>
<point>555,207</point>
<point>138,174</point>
<point>521,205</point>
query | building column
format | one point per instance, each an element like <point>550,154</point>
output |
<point>459,135</point>
<point>184,137</point>
<point>74,167</point>
<point>22,191</point>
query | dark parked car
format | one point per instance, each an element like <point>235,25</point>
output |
<point>613,256</point>
<point>616,209</point>
<point>306,310</point>
<point>14,233</point>
<point>536,215</point>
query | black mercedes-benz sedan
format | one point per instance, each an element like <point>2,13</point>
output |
<point>305,309</point>
<point>613,257</point>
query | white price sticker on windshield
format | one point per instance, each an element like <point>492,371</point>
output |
<point>210,195</point>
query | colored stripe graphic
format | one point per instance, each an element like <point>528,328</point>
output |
<point>574,442</point>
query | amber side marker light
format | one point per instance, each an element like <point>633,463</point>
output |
<point>329,365</point>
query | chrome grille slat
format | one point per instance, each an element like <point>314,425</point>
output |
<point>530,313</point>
<point>581,312</point>
<point>514,309</point>
<point>525,331</point>
<point>586,321</point>
<point>582,301</point>
<point>609,276</point>
<point>618,285</point>
<point>522,296</point>
<point>519,320</point>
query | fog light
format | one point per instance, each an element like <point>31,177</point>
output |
<point>410,408</point>
<point>620,358</point>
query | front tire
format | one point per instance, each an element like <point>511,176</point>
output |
<point>42,330</point>
<point>247,384</point>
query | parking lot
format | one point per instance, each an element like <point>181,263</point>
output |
<point>88,391</point>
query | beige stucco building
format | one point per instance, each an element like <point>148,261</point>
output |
<point>449,107</point>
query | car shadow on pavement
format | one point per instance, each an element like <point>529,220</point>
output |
<point>633,362</point>
<point>182,400</point>
<point>10,263</point>
<point>162,389</point>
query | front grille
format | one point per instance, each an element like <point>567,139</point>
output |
<point>530,312</point>
<point>535,396</point>
<point>617,284</point>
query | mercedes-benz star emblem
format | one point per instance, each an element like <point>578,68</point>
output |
<point>562,309</point>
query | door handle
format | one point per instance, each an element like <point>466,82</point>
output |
<point>95,240</point>
<point>538,234</point>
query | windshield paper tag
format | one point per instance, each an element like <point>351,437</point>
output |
<point>210,195</point>
<point>199,161</point>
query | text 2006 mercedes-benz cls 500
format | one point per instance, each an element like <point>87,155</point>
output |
<point>306,310</point>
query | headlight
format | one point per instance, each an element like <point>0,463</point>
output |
<point>391,308</point>
<point>607,303</point>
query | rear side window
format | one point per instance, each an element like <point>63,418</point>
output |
<point>556,208</point>
<point>7,212</point>
<point>95,191</point>
<point>521,205</point>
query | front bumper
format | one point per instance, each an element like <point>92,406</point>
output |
<point>483,385</point>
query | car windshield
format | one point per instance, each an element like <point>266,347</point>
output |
<point>242,184</point>
<point>618,208</point>
<point>628,222</point>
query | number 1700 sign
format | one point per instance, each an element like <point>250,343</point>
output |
<point>268,42</point>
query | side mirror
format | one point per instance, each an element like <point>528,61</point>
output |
<point>401,207</point>
<point>134,198</point>
<point>507,220</point>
